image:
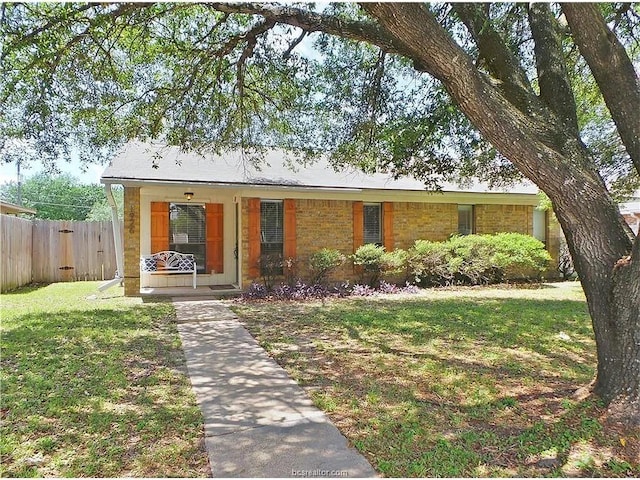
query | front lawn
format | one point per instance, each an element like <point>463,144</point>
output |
<point>453,382</point>
<point>95,384</point>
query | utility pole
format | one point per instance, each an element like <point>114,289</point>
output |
<point>19,183</point>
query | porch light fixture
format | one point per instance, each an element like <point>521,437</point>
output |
<point>188,195</point>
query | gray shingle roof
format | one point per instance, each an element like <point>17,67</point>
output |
<point>147,162</point>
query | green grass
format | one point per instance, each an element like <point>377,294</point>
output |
<point>453,382</point>
<point>95,384</point>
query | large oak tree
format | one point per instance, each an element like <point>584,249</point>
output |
<point>380,89</point>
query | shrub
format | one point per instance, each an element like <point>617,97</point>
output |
<point>373,262</point>
<point>270,267</point>
<point>519,256</point>
<point>323,262</point>
<point>290,270</point>
<point>427,263</point>
<point>477,259</point>
<point>471,260</point>
<point>394,262</point>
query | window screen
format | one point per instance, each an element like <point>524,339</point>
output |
<point>187,231</point>
<point>465,219</point>
<point>372,223</point>
<point>271,227</point>
<point>540,225</point>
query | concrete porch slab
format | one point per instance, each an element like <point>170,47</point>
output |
<point>225,291</point>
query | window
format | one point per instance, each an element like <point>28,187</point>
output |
<point>271,227</point>
<point>187,231</point>
<point>372,223</point>
<point>465,219</point>
<point>540,225</point>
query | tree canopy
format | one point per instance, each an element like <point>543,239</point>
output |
<point>202,77</point>
<point>439,92</point>
<point>59,197</point>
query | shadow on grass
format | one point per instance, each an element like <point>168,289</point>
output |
<point>496,322</point>
<point>26,289</point>
<point>541,448</point>
<point>156,299</point>
<point>446,387</point>
<point>106,388</point>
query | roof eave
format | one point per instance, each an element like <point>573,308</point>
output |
<point>138,182</point>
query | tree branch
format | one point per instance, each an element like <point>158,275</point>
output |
<point>316,22</point>
<point>294,44</point>
<point>251,38</point>
<point>619,85</point>
<point>500,61</point>
<point>499,121</point>
<point>553,79</point>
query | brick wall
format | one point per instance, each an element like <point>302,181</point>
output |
<point>324,224</point>
<point>132,241</point>
<point>319,224</point>
<point>504,218</point>
<point>329,223</point>
<point>424,221</point>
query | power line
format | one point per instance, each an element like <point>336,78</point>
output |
<point>61,204</point>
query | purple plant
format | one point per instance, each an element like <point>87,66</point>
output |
<point>301,291</point>
<point>410,288</point>
<point>362,291</point>
<point>386,287</point>
<point>255,291</point>
<point>341,289</point>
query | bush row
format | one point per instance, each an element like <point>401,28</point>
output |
<point>471,260</point>
<point>477,259</point>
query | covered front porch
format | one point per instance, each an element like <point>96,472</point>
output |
<point>204,223</point>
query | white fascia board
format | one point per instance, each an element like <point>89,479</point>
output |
<point>341,193</point>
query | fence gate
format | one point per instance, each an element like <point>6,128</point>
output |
<point>66,251</point>
<point>66,267</point>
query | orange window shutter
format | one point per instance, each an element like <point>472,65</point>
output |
<point>289,228</point>
<point>254,237</point>
<point>387,225</point>
<point>358,225</point>
<point>215,237</point>
<point>159,226</point>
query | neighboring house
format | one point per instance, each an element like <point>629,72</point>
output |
<point>228,212</point>
<point>631,212</point>
<point>13,209</point>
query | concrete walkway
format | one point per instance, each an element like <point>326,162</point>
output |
<point>258,421</point>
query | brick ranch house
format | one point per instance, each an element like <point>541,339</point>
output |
<point>228,212</point>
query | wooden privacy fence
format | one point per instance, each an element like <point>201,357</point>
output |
<point>16,235</point>
<point>45,251</point>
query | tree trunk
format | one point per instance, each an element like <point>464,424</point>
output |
<point>611,282</point>
<point>555,159</point>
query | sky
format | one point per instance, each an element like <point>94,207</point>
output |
<point>92,174</point>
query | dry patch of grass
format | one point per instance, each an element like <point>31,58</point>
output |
<point>453,382</point>
<point>95,385</point>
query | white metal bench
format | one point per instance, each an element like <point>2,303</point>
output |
<point>169,262</point>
